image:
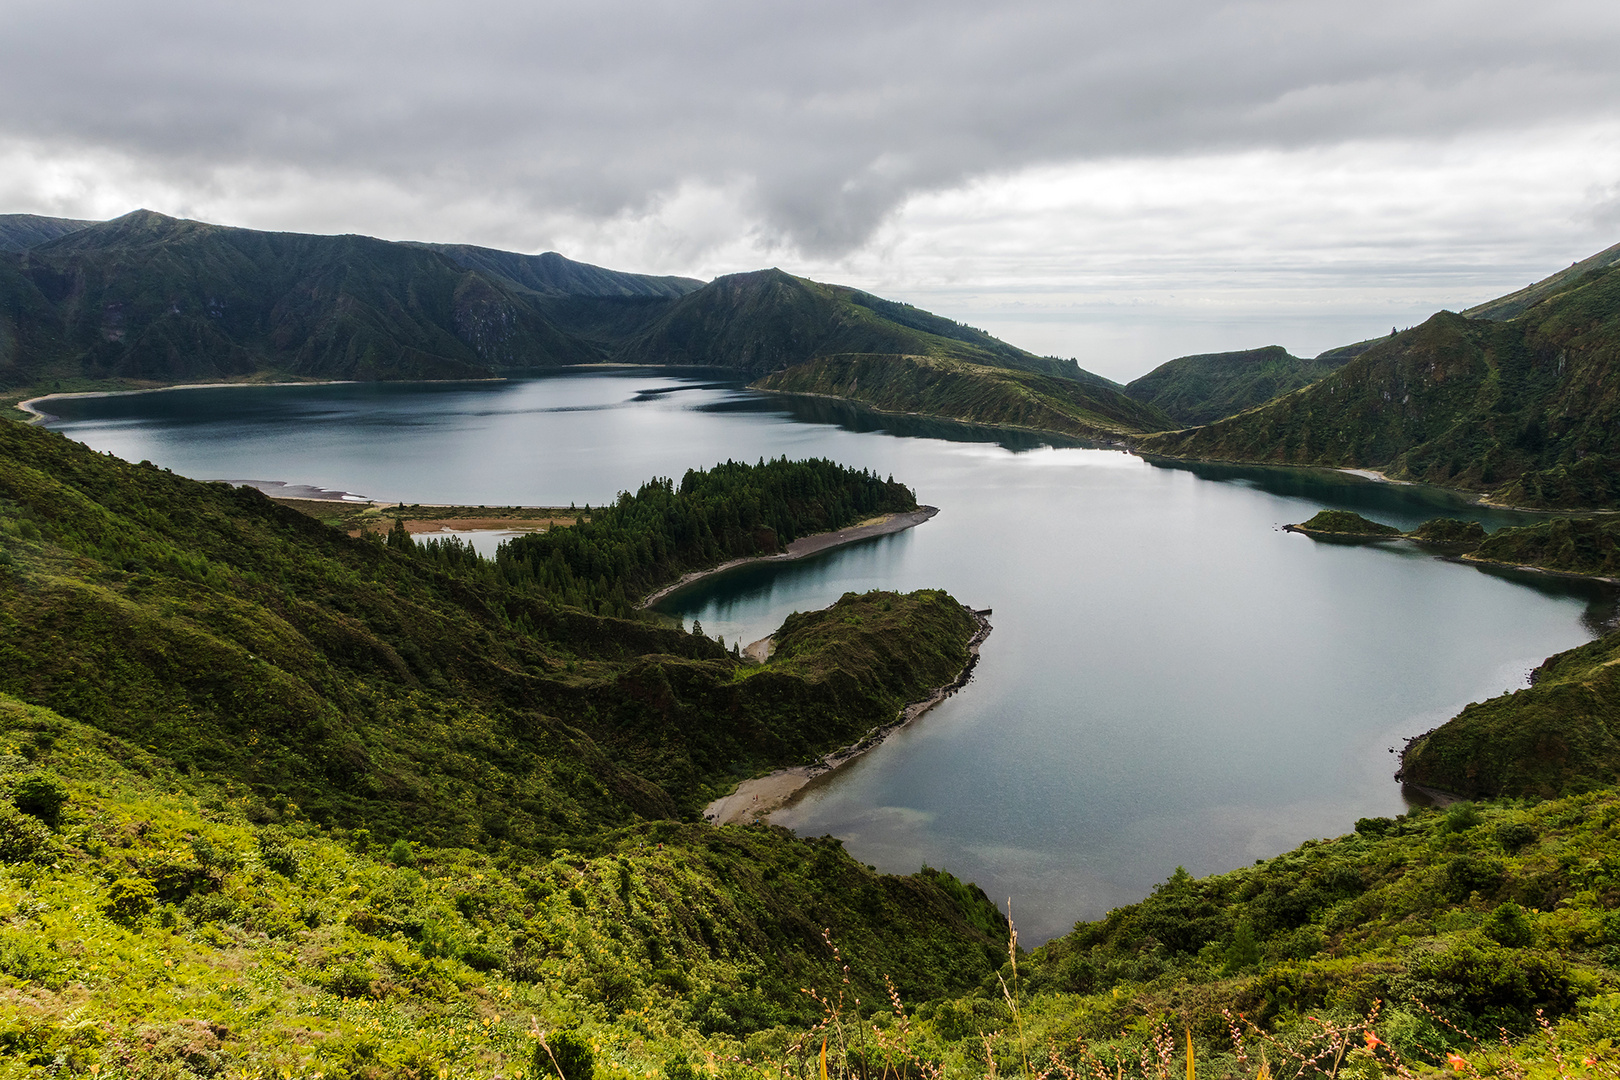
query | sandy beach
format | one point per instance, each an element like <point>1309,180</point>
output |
<point>755,799</point>
<point>806,546</point>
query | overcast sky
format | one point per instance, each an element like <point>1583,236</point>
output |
<point>1119,182</point>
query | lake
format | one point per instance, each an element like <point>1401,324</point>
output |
<point>1172,680</point>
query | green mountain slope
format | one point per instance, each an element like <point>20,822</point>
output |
<point>145,297</point>
<point>971,392</point>
<point>1517,303</point>
<point>768,320</point>
<point>1200,389</point>
<point>289,676</point>
<point>553,275</point>
<point>1527,410</point>
<point>19,232</point>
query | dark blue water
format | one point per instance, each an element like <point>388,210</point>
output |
<point>1172,680</point>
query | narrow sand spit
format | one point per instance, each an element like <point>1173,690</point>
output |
<point>756,799</point>
<point>806,546</point>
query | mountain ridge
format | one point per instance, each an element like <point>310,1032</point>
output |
<point>147,299</point>
<point>1525,411</point>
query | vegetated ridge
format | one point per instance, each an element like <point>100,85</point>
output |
<point>1526,412</point>
<point>19,232</point>
<point>766,320</point>
<point>1200,389</point>
<point>1517,303</point>
<point>957,389</point>
<point>149,300</point>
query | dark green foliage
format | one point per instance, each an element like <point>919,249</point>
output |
<point>1461,816</point>
<point>972,392</point>
<point>679,1069</point>
<point>1204,388</point>
<point>129,898</point>
<point>40,795</point>
<point>1345,523</point>
<point>1513,835</point>
<point>642,541</point>
<point>23,837</point>
<point>1449,532</point>
<point>1567,545</point>
<point>1509,925</point>
<point>566,1055</point>
<point>1526,410</point>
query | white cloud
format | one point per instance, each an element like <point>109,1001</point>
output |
<point>1085,177</point>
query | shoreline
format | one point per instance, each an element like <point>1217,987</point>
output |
<point>756,799</point>
<point>40,416</point>
<point>1468,559</point>
<point>804,547</point>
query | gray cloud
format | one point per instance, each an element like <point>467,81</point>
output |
<point>822,117</point>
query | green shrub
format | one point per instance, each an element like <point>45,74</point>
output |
<point>1461,817</point>
<point>1466,874</point>
<point>1513,835</point>
<point>1508,925</point>
<point>679,1069</point>
<point>41,795</point>
<point>402,854</point>
<point>278,855</point>
<point>128,899</point>
<point>565,1054</point>
<point>23,838</point>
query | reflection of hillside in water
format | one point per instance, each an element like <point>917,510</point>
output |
<point>851,416</point>
<point>1408,506</point>
<point>1405,506</point>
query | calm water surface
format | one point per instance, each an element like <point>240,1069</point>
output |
<point>1171,681</point>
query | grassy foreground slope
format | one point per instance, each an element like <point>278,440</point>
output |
<point>1204,388</point>
<point>1527,411</point>
<point>972,392</point>
<point>154,928</point>
<point>1430,932</point>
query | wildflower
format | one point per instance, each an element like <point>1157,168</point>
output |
<point>1457,1062</point>
<point>1373,1041</point>
<point>1588,1062</point>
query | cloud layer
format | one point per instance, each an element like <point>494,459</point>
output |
<point>717,130</point>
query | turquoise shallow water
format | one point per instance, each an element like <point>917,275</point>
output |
<point>1171,681</point>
